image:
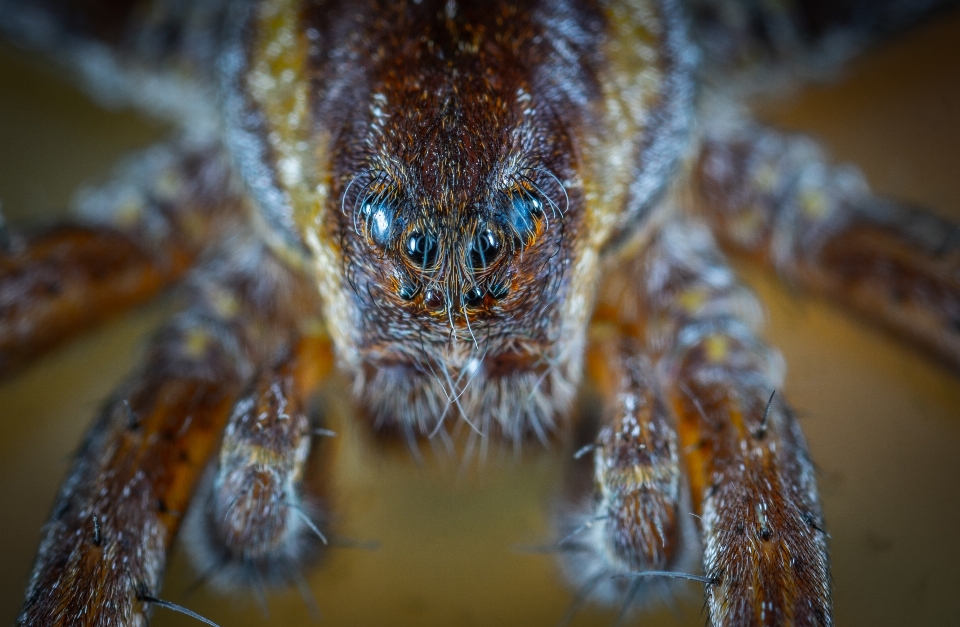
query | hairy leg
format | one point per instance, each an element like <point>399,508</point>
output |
<point>104,549</point>
<point>751,482</point>
<point>631,520</point>
<point>255,525</point>
<point>776,197</point>
<point>140,233</point>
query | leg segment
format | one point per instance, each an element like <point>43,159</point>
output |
<point>155,220</point>
<point>757,45</point>
<point>255,527</point>
<point>751,482</point>
<point>104,549</point>
<point>132,481</point>
<point>776,197</point>
<point>634,523</point>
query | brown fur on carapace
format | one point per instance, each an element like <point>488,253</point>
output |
<point>387,126</point>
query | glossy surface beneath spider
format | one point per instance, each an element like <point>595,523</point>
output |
<point>440,537</point>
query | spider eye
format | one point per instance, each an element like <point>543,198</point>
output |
<point>484,249</point>
<point>421,249</point>
<point>473,297</point>
<point>523,213</point>
<point>408,291</point>
<point>378,219</point>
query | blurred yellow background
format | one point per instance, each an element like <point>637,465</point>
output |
<point>883,423</point>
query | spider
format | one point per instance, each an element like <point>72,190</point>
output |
<point>100,531</point>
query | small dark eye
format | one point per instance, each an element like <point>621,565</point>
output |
<point>473,297</point>
<point>378,220</point>
<point>408,290</point>
<point>433,300</point>
<point>484,249</point>
<point>421,249</point>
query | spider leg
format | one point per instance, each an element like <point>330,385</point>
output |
<point>104,549</point>
<point>752,490</point>
<point>776,197</point>
<point>633,520</point>
<point>142,231</point>
<point>751,480</point>
<point>255,524</point>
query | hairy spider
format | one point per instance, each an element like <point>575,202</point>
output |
<point>430,260</point>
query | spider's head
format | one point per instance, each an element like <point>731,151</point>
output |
<point>458,213</point>
<point>452,171</point>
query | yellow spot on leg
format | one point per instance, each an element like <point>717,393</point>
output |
<point>196,343</point>
<point>693,300</point>
<point>717,347</point>
<point>814,204</point>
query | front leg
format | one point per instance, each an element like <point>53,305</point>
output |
<point>104,550</point>
<point>634,526</point>
<point>750,475</point>
<point>751,482</point>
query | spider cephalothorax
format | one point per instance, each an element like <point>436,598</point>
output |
<point>452,148</point>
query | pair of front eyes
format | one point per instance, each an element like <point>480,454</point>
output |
<point>421,247</point>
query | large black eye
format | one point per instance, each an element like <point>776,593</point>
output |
<point>421,249</point>
<point>484,249</point>
<point>523,213</point>
<point>378,219</point>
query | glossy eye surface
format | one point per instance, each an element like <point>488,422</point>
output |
<point>433,300</point>
<point>408,291</point>
<point>378,218</point>
<point>473,297</point>
<point>421,249</point>
<point>484,249</point>
<point>524,211</point>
